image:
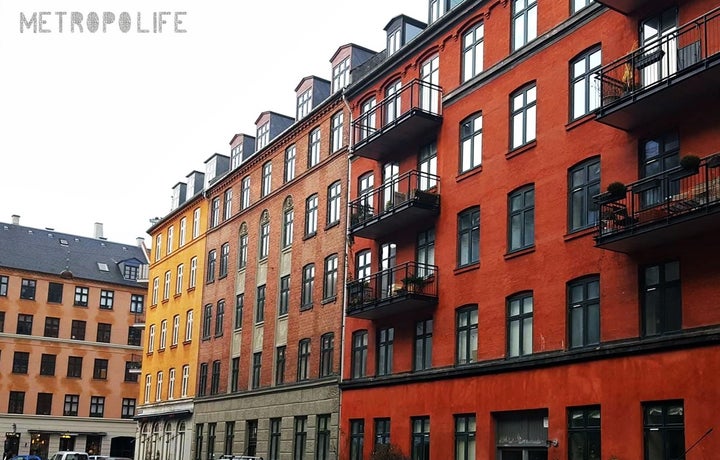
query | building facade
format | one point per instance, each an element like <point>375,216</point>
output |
<point>68,306</point>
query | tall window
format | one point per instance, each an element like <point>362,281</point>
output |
<point>425,252</point>
<point>81,296</point>
<point>308,284</point>
<point>215,212</point>
<point>303,366</point>
<point>385,339</point>
<point>304,103</point>
<point>523,116</point>
<point>266,186</point>
<point>429,92</point>
<point>25,322</point>
<point>260,304</point>
<point>382,431</point>
<point>158,247</point>
<point>188,325</point>
<point>311,215</point>
<point>290,154</point>
<point>235,374</point>
<point>263,136</point>
<point>473,51</point>
<point>74,366</point>
<point>239,306</point>
<point>358,364</point>
<point>357,439</point>
<point>256,369</point>
<point>330,277</point>
<point>521,218</point>
<point>212,260</point>
<point>175,330</point>
<point>661,300</point>
<point>171,384</point>
<point>166,285</point>
<point>465,437</point>
<point>55,292</point>
<point>196,223</point>
<point>583,185</point>
<point>183,232</point>
<point>584,433</point>
<point>202,379</point>
<point>336,133</point>
<point>207,321</point>
<point>198,441</point>
<point>128,407</point>
<point>229,438</point>
<point>577,5</point>
<point>341,75</point>
<point>368,118</point>
<point>52,327</point>
<point>242,248</point>
<point>44,404</point>
<point>219,318</point>
<point>137,303</point>
<point>47,364</point>
<point>70,406</point>
<point>468,237</point>
<point>584,83</point>
<point>664,426</point>
<point>280,359</point>
<point>104,331</point>
<point>327,345</point>
<point>524,22</point>
<point>179,279</point>
<point>584,311</point>
<point>420,438</point>
<point>3,285</point>
<point>393,104</point>
<point>77,327</point>
<point>427,165</point>
<point>159,386</point>
<point>170,239</point>
<point>16,402</point>
<point>274,448</point>
<point>300,438</point>
<point>284,300</point>
<point>314,148</point>
<point>245,193</point>
<point>467,334</point>
<point>288,225</point>
<point>193,272</point>
<point>224,258</point>
<point>264,235</point>
<point>22,358</point>
<point>520,324</point>
<point>322,441</point>
<point>423,345</point>
<point>471,143</point>
<point>333,203</point>
<point>185,381</point>
<point>363,264</point>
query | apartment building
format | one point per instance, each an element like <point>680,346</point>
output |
<point>504,300</point>
<point>68,307</point>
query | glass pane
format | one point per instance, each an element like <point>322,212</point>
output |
<point>577,446</point>
<point>577,293</point>
<point>593,324</point>
<point>527,304</point>
<point>527,336</point>
<point>576,327</point>
<point>675,415</point>
<point>577,418</point>
<point>514,307</point>
<point>652,316</point>
<point>672,271</point>
<point>514,339</point>
<point>654,445</point>
<point>517,130</point>
<point>652,276</point>
<point>653,415</point>
<point>579,68</point>
<point>529,228</point>
<point>593,290</point>
<point>531,123</point>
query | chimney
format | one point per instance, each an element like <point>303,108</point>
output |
<point>15,219</point>
<point>98,230</point>
<point>140,241</point>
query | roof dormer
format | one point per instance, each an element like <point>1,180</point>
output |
<point>437,8</point>
<point>179,195</point>
<point>345,59</point>
<point>309,93</point>
<point>269,125</point>
<point>195,182</point>
<point>400,30</point>
<point>242,147</point>
<point>215,167</point>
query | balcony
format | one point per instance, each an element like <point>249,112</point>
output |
<point>406,201</point>
<point>404,121</point>
<point>402,289</point>
<point>680,203</point>
<point>625,6</point>
<point>139,320</point>
<point>663,79</point>
<point>135,366</point>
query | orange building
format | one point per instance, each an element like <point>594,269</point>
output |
<point>68,306</point>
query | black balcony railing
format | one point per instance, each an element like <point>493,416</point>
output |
<point>135,365</point>
<point>400,289</point>
<point>669,62</point>
<point>659,208</point>
<point>139,320</point>
<point>405,118</point>
<point>399,202</point>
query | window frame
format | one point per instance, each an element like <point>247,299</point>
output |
<point>471,139</point>
<point>358,362</point>
<point>469,230</point>
<point>583,305</point>
<point>303,366</point>
<point>520,318</point>
<point>467,335</point>
<point>590,79</point>
<point>527,110</point>
<point>526,215</point>
<point>473,51</point>
<point>528,8</point>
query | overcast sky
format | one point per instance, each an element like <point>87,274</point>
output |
<point>98,127</point>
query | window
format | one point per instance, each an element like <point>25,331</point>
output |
<point>183,231</point>
<point>303,368</point>
<point>385,339</point>
<point>3,285</point>
<point>583,185</point>
<point>423,344</point>
<point>215,212</point>
<point>179,279</point>
<point>185,381</point>
<point>465,437</point>
<point>227,206</point>
<point>341,75</point>
<point>16,402</point>
<point>158,247</point>
<point>427,165</point>
<point>425,252</point>
<point>266,186</point>
<point>394,41</point>
<point>245,193</point>
<point>198,441</point>
<point>290,154</point>
<point>304,104</point>
<point>44,404</point>
<point>280,365</point>
<point>155,288</point>
<point>130,368</point>
<point>207,321</point>
<point>77,330</point>
<point>163,334</point>
<point>74,366</point>
<point>196,223</point>
<point>166,285</point>
<point>128,408</point>
<point>239,304</point>
<point>260,304</point>
<point>256,368</point>
<point>70,406</point>
<point>308,283</point>
<point>47,364</point>
<point>420,449</point>
<point>188,325</point>
<point>523,114</point>
<point>134,336</point>
<point>472,50</point>
<point>520,324</point>
<point>20,362</point>
<point>368,119</point>
<point>175,331</point>
<point>151,339</point>
<point>333,204</point>
<point>27,289</point>
<point>235,375</point>
<point>229,438</point>
<point>314,148</point>
<point>577,5</point>
<point>300,438</point>
<point>467,334</point>
<point>330,277</point>
<point>284,301</point>
<point>263,136</point>
<point>170,237</point>
<point>311,215</point>
<point>243,251</point>
<point>469,237</point>
<point>584,83</point>
<point>357,439</point>
<point>55,293</point>
<point>97,406</point>
<point>212,428</point>
<point>322,442</point>
<point>219,318</point>
<point>215,379</point>
<point>81,296</point>
<point>100,369</point>
<point>521,219</point>
<point>202,380</point>
<point>661,301</point>
<point>664,426</point>
<point>24,324</point>
<point>106,299</point>
<point>103,332</point>
<point>584,311</point>
<point>224,257</point>
<point>274,448</point>
<point>584,433</point>
<point>212,260</point>
<point>524,22</point>
<point>327,344</point>
<point>382,432</point>
<point>471,143</point>
<point>130,272</point>
<point>193,273</point>
<point>2,321</point>
<point>264,235</point>
<point>336,132</point>
<point>363,264</point>
<point>358,364</point>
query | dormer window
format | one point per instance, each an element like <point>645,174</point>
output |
<point>263,135</point>
<point>341,75</point>
<point>394,41</point>
<point>304,104</point>
<point>236,156</point>
<point>440,7</point>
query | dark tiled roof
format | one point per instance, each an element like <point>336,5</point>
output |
<point>50,252</point>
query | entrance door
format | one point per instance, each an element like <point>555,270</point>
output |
<point>522,454</point>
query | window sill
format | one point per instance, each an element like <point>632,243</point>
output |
<point>580,233</point>
<point>306,307</point>
<point>467,174</point>
<point>191,289</point>
<point>161,350</point>
<point>217,336</point>
<point>466,268</point>
<point>222,276</point>
<point>522,149</point>
<point>164,301</point>
<point>519,252</point>
<point>210,281</point>
<point>286,249</point>
<point>328,300</point>
<point>178,294</point>
<point>263,260</point>
<point>331,225</point>
<point>309,235</point>
<point>187,342</point>
<point>85,306</point>
<point>173,346</point>
<point>580,121</point>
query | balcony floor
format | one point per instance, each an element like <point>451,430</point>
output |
<point>413,128</point>
<point>393,305</point>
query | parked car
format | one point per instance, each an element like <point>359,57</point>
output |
<point>26,457</point>
<point>98,457</point>
<point>70,455</point>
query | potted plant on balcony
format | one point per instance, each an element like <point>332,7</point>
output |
<point>360,214</point>
<point>413,283</point>
<point>616,190</point>
<point>690,163</point>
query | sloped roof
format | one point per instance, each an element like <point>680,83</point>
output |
<point>51,252</point>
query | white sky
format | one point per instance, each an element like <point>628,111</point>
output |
<point>100,127</point>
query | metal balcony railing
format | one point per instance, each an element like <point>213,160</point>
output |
<point>139,319</point>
